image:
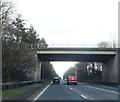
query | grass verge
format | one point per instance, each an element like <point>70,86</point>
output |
<point>23,92</point>
<point>0,95</point>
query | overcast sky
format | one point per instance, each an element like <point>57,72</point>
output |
<point>71,23</point>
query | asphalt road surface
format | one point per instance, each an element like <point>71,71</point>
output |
<point>81,91</point>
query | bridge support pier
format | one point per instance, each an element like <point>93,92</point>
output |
<point>38,70</point>
<point>110,70</point>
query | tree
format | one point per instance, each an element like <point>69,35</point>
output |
<point>82,73</point>
<point>82,70</point>
<point>95,71</point>
<point>105,44</point>
<point>19,30</point>
<point>19,46</point>
<point>42,43</point>
<point>6,10</point>
<point>31,37</point>
<point>48,71</point>
<point>17,58</point>
<point>85,71</point>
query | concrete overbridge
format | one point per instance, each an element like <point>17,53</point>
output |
<point>108,56</point>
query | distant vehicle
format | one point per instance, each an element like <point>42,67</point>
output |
<point>72,79</point>
<point>65,79</point>
<point>56,80</point>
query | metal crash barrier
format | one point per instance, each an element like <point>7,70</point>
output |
<point>10,85</point>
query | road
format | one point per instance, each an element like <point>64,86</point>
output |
<point>82,91</point>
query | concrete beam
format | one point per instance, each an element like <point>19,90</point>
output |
<point>79,52</point>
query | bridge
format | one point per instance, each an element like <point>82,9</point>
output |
<point>108,56</point>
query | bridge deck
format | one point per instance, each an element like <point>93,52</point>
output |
<point>76,54</point>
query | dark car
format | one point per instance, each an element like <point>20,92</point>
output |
<point>56,80</point>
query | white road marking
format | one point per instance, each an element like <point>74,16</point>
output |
<point>100,85</point>
<point>102,89</point>
<point>42,91</point>
<point>71,88</point>
<point>83,96</point>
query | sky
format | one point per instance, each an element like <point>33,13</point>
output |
<point>71,23</point>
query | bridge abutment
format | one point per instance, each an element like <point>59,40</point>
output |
<point>37,75</point>
<point>110,70</point>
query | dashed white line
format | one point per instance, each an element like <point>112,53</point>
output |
<point>102,89</point>
<point>77,92</point>
<point>83,96</point>
<point>42,91</point>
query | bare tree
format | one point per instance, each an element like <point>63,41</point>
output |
<point>6,11</point>
<point>105,44</point>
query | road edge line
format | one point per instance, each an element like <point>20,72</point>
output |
<point>83,96</point>
<point>42,91</point>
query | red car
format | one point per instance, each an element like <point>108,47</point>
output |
<point>72,80</point>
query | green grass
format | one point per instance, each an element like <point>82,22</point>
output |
<point>0,95</point>
<point>20,92</point>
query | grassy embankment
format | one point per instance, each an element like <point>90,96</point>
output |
<point>23,92</point>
